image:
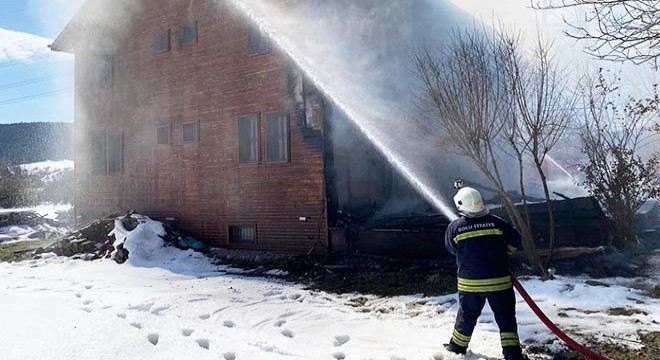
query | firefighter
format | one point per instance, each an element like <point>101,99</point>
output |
<point>482,244</point>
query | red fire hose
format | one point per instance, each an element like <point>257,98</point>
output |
<point>565,338</point>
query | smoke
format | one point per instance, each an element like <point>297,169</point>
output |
<point>358,54</point>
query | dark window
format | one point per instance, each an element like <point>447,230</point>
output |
<point>191,132</point>
<point>115,150</point>
<point>97,152</point>
<point>277,137</point>
<point>248,139</point>
<point>258,42</point>
<point>243,234</point>
<point>105,70</point>
<point>162,42</point>
<point>189,34</point>
<point>163,135</point>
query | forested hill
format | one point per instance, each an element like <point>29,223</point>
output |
<point>24,143</point>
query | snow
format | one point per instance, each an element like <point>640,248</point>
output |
<point>49,211</point>
<point>48,170</point>
<point>23,232</point>
<point>170,304</point>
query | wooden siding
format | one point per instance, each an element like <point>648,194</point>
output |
<point>213,82</point>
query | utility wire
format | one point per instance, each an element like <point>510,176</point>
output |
<point>29,59</point>
<point>33,96</point>
<point>30,81</point>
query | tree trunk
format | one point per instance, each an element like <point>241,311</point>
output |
<point>527,239</point>
<point>551,214</point>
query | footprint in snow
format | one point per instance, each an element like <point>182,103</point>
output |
<point>136,325</point>
<point>341,340</point>
<point>229,324</point>
<point>287,333</point>
<point>142,307</point>
<point>187,332</point>
<point>229,356</point>
<point>280,323</point>
<point>86,309</point>
<point>153,339</point>
<point>205,316</point>
<point>339,356</point>
<point>121,316</point>
<point>78,295</point>
<point>159,310</point>
<point>87,302</point>
<point>203,343</point>
<point>89,286</point>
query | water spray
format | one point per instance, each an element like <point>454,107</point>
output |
<point>406,171</point>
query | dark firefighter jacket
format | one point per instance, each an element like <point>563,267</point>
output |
<point>482,246</point>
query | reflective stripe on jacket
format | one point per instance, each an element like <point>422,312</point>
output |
<point>482,246</point>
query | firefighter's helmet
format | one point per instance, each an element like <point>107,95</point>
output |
<point>469,201</point>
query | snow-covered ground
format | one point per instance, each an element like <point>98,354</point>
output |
<point>25,232</point>
<point>171,304</point>
<point>48,170</point>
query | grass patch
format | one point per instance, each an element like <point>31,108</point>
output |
<point>650,351</point>
<point>21,250</point>
<point>619,311</point>
<point>655,292</point>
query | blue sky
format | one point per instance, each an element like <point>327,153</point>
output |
<point>35,83</point>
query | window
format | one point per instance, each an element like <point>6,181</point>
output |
<point>107,151</point>
<point>242,234</point>
<point>191,132</point>
<point>104,70</point>
<point>277,137</point>
<point>115,145</point>
<point>258,42</point>
<point>163,135</point>
<point>162,42</point>
<point>248,139</point>
<point>97,152</point>
<point>188,34</point>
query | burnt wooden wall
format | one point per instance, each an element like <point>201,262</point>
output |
<point>213,82</point>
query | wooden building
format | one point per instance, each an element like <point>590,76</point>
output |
<point>186,110</point>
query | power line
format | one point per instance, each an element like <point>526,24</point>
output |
<point>33,96</point>
<point>29,59</point>
<point>30,81</point>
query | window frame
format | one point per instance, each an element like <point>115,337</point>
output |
<point>197,133</point>
<point>105,151</point>
<point>257,140</point>
<point>169,134</point>
<point>195,26</point>
<point>230,234</point>
<point>120,170</point>
<point>105,80</point>
<point>98,170</point>
<point>254,29</point>
<point>168,34</point>
<point>287,118</point>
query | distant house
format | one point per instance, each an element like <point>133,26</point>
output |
<point>185,109</point>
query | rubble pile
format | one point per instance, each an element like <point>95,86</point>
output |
<point>96,240</point>
<point>90,242</point>
<point>27,225</point>
<point>26,218</point>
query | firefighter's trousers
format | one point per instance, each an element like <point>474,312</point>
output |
<point>503,304</point>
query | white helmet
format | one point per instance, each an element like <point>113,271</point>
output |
<point>469,201</point>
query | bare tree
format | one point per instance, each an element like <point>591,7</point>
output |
<point>618,30</point>
<point>615,129</point>
<point>543,109</point>
<point>466,99</point>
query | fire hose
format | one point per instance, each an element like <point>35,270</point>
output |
<point>565,338</point>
